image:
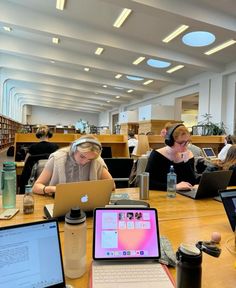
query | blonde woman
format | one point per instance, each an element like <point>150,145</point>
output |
<point>79,162</point>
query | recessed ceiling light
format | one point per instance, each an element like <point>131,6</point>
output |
<point>118,76</point>
<point>157,63</point>
<point>104,86</point>
<point>52,61</point>
<point>198,38</point>
<point>175,69</point>
<point>147,82</point>
<point>175,33</point>
<point>122,17</point>
<point>55,40</point>
<point>86,69</point>
<point>60,4</point>
<point>96,93</point>
<point>99,51</point>
<point>130,91</point>
<point>8,29</point>
<point>138,60</point>
<point>119,88</point>
<point>117,97</point>
<point>108,101</point>
<point>134,78</point>
<point>220,47</point>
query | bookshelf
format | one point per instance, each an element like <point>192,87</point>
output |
<point>8,128</point>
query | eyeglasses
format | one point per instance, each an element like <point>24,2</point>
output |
<point>183,143</point>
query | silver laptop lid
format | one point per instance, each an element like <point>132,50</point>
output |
<point>31,256</point>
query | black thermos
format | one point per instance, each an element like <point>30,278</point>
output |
<point>189,269</point>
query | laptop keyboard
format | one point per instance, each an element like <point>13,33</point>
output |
<point>129,273</point>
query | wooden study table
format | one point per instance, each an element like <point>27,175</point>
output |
<point>180,219</point>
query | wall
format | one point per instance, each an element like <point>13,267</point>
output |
<point>42,115</point>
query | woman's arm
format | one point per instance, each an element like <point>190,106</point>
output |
<point>40,185</point>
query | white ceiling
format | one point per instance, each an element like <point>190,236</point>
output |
<point>84,25</point>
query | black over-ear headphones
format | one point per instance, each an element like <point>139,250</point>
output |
<point>41,133</point>
<point>82,141</point>
<point>169,140</point>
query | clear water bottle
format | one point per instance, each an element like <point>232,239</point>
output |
<point>171,183</point>
<point>28,200</point>
<point>75,243</point>
<point>8,185</point>
<point>188,268</point>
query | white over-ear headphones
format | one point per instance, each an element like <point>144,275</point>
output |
<point>82,141</point>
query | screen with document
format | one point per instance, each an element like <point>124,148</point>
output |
<point>31,255</point>
<point>126,233</point>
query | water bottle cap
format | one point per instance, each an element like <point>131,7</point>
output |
<point>189,249</point>
<point>9,166</point>
<point>172,168</point>
<point>75,216</point>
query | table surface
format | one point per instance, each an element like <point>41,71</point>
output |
<point>181,219</point>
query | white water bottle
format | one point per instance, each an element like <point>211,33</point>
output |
<point>75,243</point>
<point>171,183</point>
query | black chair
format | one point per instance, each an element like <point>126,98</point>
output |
<point>131,148</point>
<point>120,169</point>
<point>29,163</point>
<point>106,152</point>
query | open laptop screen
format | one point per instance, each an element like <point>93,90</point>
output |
<point>126,233</point>
<point>208,152</point>
<point>228,198</point>
<point>31,255</point>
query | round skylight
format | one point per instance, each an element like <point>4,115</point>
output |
<point>198,38</point>
<point>157,63</point>
<point>134,78</point>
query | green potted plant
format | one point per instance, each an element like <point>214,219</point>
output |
<point>207,127</point>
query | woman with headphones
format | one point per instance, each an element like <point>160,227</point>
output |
<point>79,162</point>
<point>43,146</point>
<point>175,153</point>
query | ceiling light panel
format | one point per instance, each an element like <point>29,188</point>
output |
<point>175,33</point>
<point>130,91</point>
<point>86,69</point>
<point>118,76</point>
<point>220,47</point>
<point>147,82</point>
<point>175,69</point>
<point>99,51</point>
<point>8,29</point>
<point>122,17</point>
<point>55,40</point>
<point>138,60</point>
<point>60,4</point>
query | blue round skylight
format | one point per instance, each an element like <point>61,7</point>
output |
<point>198,38</point>
<point>134,78</point>
<point>157,63</point>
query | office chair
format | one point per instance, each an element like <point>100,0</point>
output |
<point>120,169</point>
<point>29,163</point>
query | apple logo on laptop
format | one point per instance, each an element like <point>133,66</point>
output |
<point>84,199</point>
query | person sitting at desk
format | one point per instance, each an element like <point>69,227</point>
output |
<point>79,162</point>
<point>174,153</point>
<point>229,141</point>
<point>132,142</point>
<point>228,164</point>
<point>43,133</point>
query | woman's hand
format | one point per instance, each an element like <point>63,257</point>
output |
<point>184,186</point>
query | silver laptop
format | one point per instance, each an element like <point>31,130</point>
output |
<point>228,198</point>
<point>126,249</point>
<point>209,153</point>
<point>85,194</point>
<point>210,184</point>
<point>31,256</point>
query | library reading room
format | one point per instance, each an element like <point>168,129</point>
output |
<point>118,144</point>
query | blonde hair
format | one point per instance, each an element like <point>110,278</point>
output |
<point>179,131</point>
<point>230,158</point>
<point>87,146</point>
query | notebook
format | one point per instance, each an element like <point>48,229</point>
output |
<point>85,194</point>
<point>31,255</point>
<point>228,198</point>
<point>210,184</point>
<point>209,153</point>
<point>126,249</point>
